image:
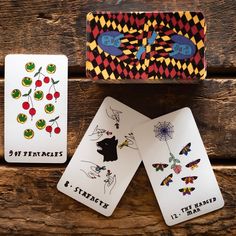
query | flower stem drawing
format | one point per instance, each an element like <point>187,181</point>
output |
<point>164,132</point>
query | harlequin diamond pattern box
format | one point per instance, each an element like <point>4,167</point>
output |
<point>146,46</point>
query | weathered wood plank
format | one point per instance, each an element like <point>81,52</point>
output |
<point>31,204</point>
<point>213,104</point>
<point>53,27</point>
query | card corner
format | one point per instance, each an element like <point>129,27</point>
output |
<point>108,98</point>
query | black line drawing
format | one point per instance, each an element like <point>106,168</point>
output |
<point>109,182</point>
<point>129,142</point>
<point>94,171</point>
<point>98,133</point>
<point>107,148</point>
<point>114,115</point>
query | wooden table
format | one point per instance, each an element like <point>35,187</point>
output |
<point>29,200</point>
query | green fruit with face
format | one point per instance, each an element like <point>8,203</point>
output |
<point>21,118</point>
<point>51,68</point>
<point>30,66</point>
<point>16,93</point>
<point>28,133</point>
<point>26,81</point>
<point>38,95</point>
<point>49,108</point>
<point>40,124</point>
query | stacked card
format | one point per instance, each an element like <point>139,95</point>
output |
<point>171,149</point>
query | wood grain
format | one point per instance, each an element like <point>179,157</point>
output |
<point>31,204</point>
<point>54,27</point>
<point>213,104</point>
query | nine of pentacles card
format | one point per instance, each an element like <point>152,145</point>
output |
<point>178,166</point>
<point>36,108</point>
<point>106,159</point>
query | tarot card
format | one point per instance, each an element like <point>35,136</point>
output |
<point>105,160</point>
<point>36,108</point>
<point>178,166</point>
<point>141,46</point>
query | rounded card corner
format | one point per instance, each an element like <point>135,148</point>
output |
<point>107,99</point>
<point>168,223</point>
<point>222,203</point>
<point>65,57</point>
<point>109,214</point>
<point>187,109</point>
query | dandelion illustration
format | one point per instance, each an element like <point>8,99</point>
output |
<point>164,131</point>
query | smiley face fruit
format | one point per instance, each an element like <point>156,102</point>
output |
<point>21,118</point>
<point>51,68</point>
<point>26,81</point>
<point>28,133</point>
<point>40,124</point>
<point>49,108</point>
<point>38,95</point>
<point>30,66</point>
<point>16,93</point>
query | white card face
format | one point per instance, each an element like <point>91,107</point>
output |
<point>178,166</point>
<point>36,108</point>
<point>106,159</point>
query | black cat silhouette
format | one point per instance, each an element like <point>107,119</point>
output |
<point>107,148</point>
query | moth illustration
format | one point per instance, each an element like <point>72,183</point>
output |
<point>186,149</point>
<point>187,190</point>
<point>189,179</point>
<point>159,166</point>
<point>193,164</point>
<point>167,180</point>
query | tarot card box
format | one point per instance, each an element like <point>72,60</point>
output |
<point>153,47</point>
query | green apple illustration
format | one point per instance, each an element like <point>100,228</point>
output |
<point>28,133</point>
<point>26,81</point>
<point>40,124</point>
<point>30,66</point>
<point>49,108</point>
<point>21,118</point>
<point>16,93</point>
<point>38,95</point>
<point>51,68</point>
